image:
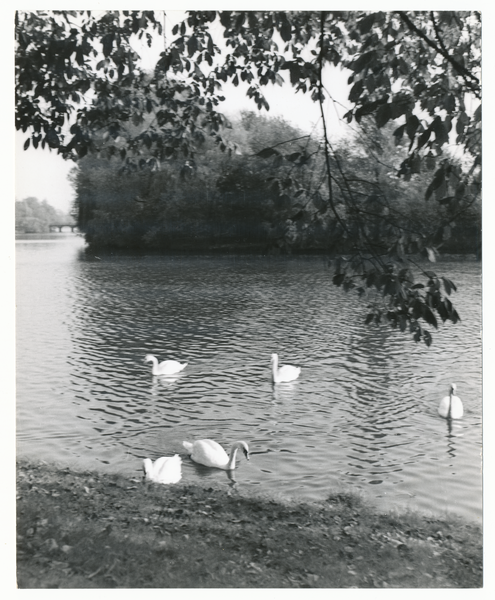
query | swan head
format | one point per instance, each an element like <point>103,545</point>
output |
<point>245,449</point>
<point>453,388</point>
<point>149,358</point>
<point>274,357</point>
<point>147,465</point>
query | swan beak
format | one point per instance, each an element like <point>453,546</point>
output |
<point>246,454</point>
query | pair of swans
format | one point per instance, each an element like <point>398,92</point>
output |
<point>451,407</point>
<point>209,453</point>
<point>283,374</point>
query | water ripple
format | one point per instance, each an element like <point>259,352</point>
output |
<point>362,414</point>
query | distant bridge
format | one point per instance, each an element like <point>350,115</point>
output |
<point>59,228</point>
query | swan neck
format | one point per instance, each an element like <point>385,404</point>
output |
<point>275,367</point>
<point>154,362</point>
<point>232,457</point>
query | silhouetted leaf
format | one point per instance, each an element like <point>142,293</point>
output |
<point>383,115</point>
<point>267,152</point>
<point>429,317</point>
<point>449,285</point>
<point>356,91</point>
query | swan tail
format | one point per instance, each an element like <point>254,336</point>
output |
<point>188,446</point>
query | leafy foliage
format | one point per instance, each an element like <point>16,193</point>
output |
<point>417,67</point>
<point>413,74</point>
<point>79,89</point>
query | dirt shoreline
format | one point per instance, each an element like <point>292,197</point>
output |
<point>89,530</point>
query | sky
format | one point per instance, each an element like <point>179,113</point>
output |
<point>44,175</point>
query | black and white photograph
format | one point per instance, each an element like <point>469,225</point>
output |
<point>248,298</point>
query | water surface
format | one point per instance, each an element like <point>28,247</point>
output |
<point>362,416</point>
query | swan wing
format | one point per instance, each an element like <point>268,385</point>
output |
<point>288,373</point>
<point>167,469</point>
<point>457,410</point>
<point>443,407</point>
<point>169,367</point>
<point>209,453</point>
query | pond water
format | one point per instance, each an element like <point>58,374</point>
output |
<point>362,415</point>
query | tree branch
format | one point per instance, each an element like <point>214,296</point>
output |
<point>322,112</point>
<point>474,84</point>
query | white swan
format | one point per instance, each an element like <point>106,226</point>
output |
<point>166,469</point>
<point>211,454</point>
<point>285,373</point>
<point>167,367</point>
<point>450,407</point>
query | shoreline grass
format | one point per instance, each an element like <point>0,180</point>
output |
<point>89,530</point>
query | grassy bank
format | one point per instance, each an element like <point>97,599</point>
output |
<point>86,530</point>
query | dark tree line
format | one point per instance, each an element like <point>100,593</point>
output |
<point>229,201</point>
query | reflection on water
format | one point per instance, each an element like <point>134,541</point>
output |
<point>164,381</point>
<point>363,413</point>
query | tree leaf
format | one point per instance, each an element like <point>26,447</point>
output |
<point>356,91</point>
<point>441,133</point>
<point>192,45</point>
<point>448,285</point>
<point>267,152</point>
<point>363,61</point>
<point>383,115</point>
<point>366,23</point>
<point>285,28</point>
<point>412,126</point>
<point>429,317</point>
<point>431,254</point>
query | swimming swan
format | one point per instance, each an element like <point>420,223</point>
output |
<point>451,406</point>
<point>166,469</point>
<point>167,367</point>
<point>285,373</point>
<point>211,454</point>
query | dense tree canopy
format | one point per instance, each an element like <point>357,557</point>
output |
<point>415,75</point>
